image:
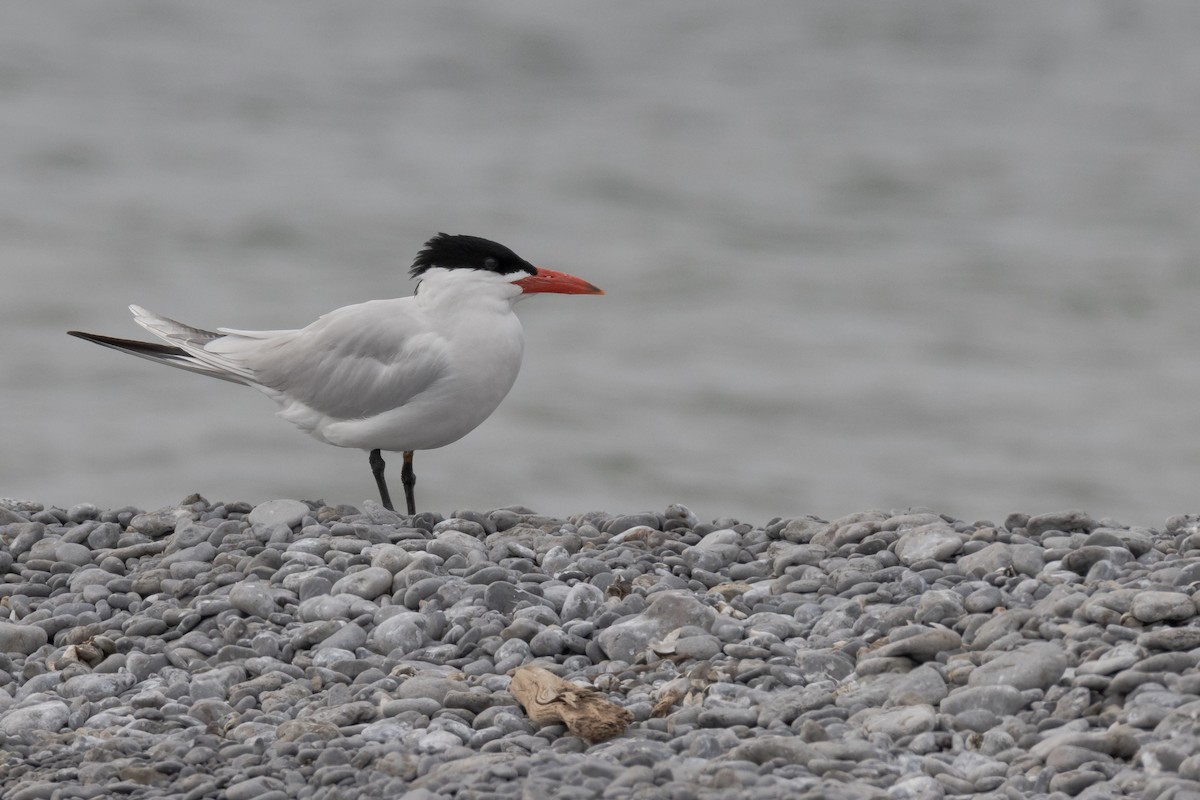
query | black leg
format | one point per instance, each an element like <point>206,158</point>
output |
<point>409,479</point>
<point>377,466</point>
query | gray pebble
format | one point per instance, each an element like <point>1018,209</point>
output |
<point>1034,666</point>
<point>368,583</point>
<point>104,536</point>
<point>253,599</point>
<point>253,788</point>
<point>902,722</point>
<point>1068,521</point>
<point>288,513</point>
<point>1162,607</point>
<point>924,645</point>
<point>504,598</point>
<point>936,541</point>
<point>1000,700</point>
<point>45,715</point>
<point>202,553</point>
<point>346,637</point>
<point>403,632</point>
<point>884,654</point>
<point>581,602</point>
<point>156,523</point>
<point>454,542</point>
<point>391,557</point>
<point>625,522</point>
<point>548,642</point>
<point>24,639</point>
<point>1171,639</point>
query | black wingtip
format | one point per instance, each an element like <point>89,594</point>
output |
<point>129,345</point>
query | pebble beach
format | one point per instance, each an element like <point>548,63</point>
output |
<point>298,650</point>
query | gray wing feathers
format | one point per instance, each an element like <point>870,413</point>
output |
<point>345,370</point>
<point>336,366</point>
<point>194,342</point>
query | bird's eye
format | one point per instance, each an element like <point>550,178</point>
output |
<point>490,263</point>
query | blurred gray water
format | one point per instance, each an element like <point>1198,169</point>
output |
<point>857,254</point>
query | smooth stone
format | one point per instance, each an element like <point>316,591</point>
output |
<point>504,598</point>
<point>454,542</point>
<point>23,639</point>
<point>10,516</point>
<point>96,686</point>
<point>1152,606</point>
<point>976,719</point>
<point>786,555</point>
<point>391,557</point>
<point>1034,666</point>
<point>368,583</point>
<point>47,715</point>
<point>403,632</point>
<point>993,558</point>
<point>347,637</point>
<point>902,722</point>
<point>189,534</point>
<point>556,560</point>
<point>548,642</point>
<point>762,749</point>
<point>1138,541</point>
<point>669,610</point>
<point>581,602</point>
<point>935,541</point>
<point>727,717</point>
<point>72,553</point>
<point>156,523</point>
<point>1073,782</point>
<point>426,686</point>
<point>916,787</point>
<point>942,606</point>
<point>999,699</point>
<point>252,598</point>
<point>1082,560</point>
<point>983,600</point>
<point>921,685</point>
<point>437,742</point>
<point>1118,659</point>
<point>254,788</point>
<point>335,607</point>
<point>1171,639</point>
<point>924,646</point>
<point>489,574</point>
<point>1067,757</point>
<point>700,648</point>
<point>1066,521</point>
<point>104,536</point>
<point>1119,742</point>
<point>622,523</point>
<point>279,512</point>
<point>202,553</point>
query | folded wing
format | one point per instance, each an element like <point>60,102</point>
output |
<point>338,367</point>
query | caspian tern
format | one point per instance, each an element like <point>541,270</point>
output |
<point>407,374</point>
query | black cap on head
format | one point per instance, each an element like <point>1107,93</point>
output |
<point>468,252</point>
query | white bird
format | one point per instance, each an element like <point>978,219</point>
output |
<point>407,374</point>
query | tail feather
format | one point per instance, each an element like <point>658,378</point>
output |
<point>171,330</point>
<point>194,343</point>
<point>159,353</point>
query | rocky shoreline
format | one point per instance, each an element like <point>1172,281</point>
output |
<point>288,649</point>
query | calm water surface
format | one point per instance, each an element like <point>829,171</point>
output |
<point>857,254</point>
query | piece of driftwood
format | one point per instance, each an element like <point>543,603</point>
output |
<point>548,700</point>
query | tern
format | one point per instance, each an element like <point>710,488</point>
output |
<point>405,374</point>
